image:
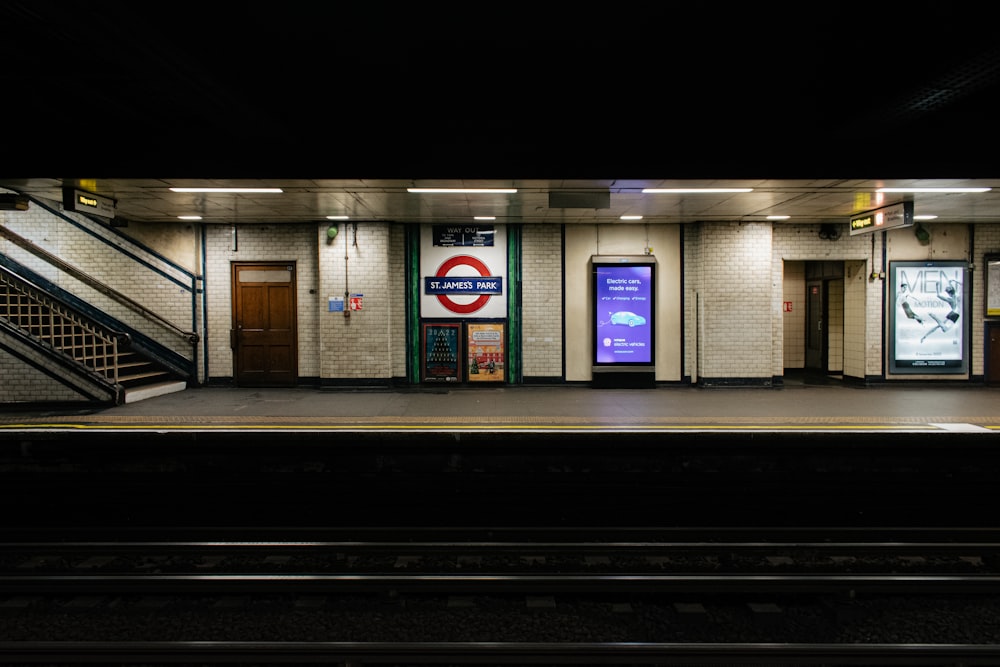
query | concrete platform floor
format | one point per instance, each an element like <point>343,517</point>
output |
<point>793,405</point>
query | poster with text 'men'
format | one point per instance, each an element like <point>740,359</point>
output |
<point>928,317</point>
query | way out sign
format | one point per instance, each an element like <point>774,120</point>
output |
<point>463,281</point>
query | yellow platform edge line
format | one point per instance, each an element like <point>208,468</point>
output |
<point>454,427</point>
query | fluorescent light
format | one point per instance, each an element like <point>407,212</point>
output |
<point>460,191</point>
<point>630,217</point>
<point>924,217</point>
<point>484,217</point>
<point>226,190</point>
<point>778,217</point>
<point>337,217</point>
<point>189,217</point>
<point>934,190</point>
<point>681,191</point>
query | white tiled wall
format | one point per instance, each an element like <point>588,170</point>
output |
<point>794,317</point>
<point>736,302</point>
<point>835,325</point>
<point>727,283</point>
<point>542,301</point>
<point>358,262</point>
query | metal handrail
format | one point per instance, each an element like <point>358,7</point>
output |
<point>13,237</point>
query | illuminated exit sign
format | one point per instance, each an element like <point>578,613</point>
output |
<point>889,217</point>
<point>87,202</point>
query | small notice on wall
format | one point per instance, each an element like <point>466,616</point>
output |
<point>336,304</point>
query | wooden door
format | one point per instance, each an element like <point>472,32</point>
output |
<point>264,336</point>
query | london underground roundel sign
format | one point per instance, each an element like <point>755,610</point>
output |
<point>444,286</point>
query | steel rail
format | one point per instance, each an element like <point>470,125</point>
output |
<point>359,654</point>
<point>648,565</point>
<point>912,584</point>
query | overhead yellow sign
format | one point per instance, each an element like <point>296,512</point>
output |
<point>88,202</point>
<point>887,217</point>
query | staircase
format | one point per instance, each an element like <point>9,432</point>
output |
<point>142,377</point>
<point>41,325</point>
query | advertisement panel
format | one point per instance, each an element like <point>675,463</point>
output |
<point>927,317</point>
<point>441,352</point>
<point>484,345</point>
<point>623,323</point>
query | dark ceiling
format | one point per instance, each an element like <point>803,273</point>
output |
<point>330,90</point>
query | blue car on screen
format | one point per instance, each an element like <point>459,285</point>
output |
<point>626,317</point>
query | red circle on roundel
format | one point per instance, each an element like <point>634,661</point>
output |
<point>450,264</point>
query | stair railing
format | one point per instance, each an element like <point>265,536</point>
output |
<point>57,325</point>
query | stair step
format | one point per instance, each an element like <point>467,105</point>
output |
<point>149,391</point>
<point>132,377</point>
<point>126,364</point>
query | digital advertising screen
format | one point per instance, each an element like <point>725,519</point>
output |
<point>928,317</point>
<point>623,313</point>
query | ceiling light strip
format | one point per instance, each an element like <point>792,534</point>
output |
<point>461,191</point>
<point>691,191</point>
<point>240,190</point>
<point>934,190</point>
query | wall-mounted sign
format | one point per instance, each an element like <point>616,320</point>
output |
<point>87,202</point>
<point>463,271</point>
<point>888,217</point>
<point>463,235</point>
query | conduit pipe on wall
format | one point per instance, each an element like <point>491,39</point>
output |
<point>347,289</point>
<point>697,331</point>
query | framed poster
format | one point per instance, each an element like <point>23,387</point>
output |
<point>440,351</point>
<point>623,323</point>
<point>927,317</point>
<point>992,263</point>
<point>484,347</point>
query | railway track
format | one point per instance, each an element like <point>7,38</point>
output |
<point>532,561</point>
<point>494,596</point>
